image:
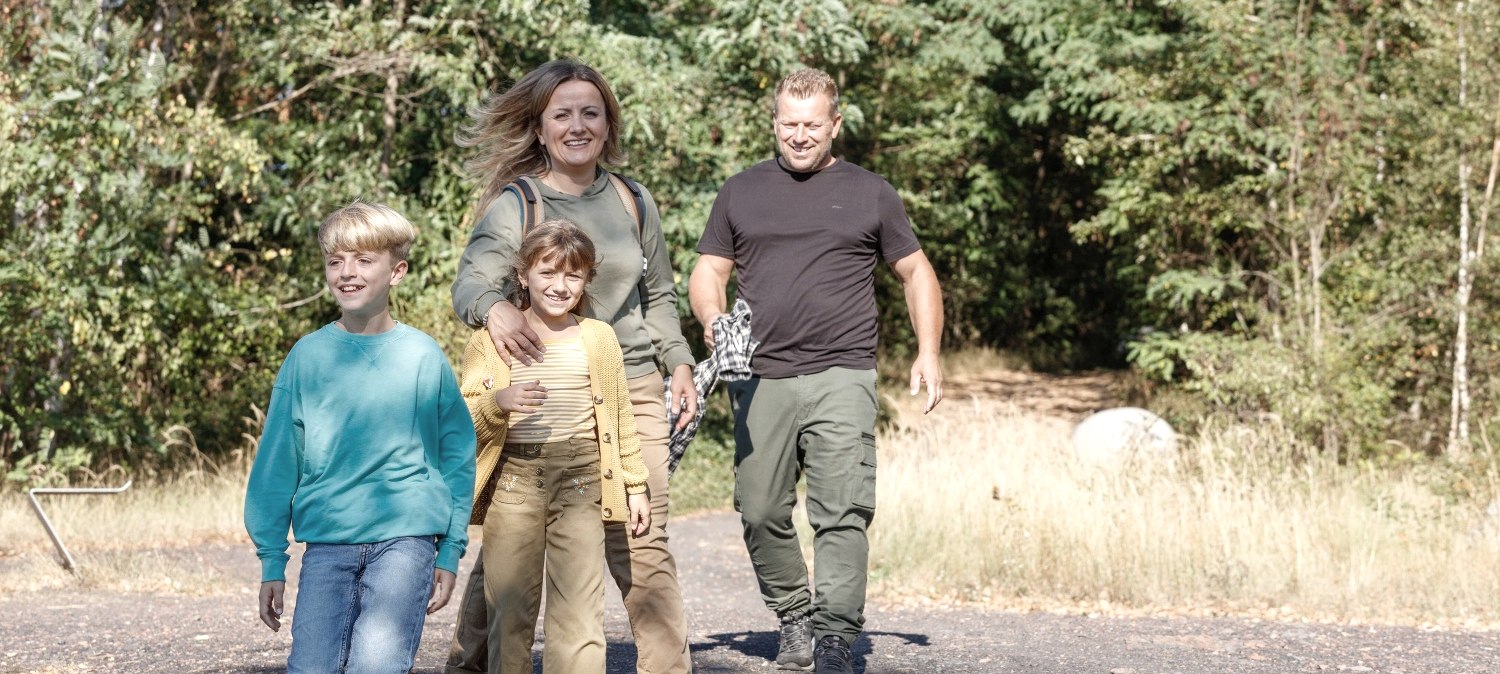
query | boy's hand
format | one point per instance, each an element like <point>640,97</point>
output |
<point>526,397</point>
<point>640,513</point>
<point>443,581</point>
<point>271,593</point>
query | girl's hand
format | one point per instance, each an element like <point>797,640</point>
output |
<point>526,397</point>
<point>684,396</point>
<point>640,513</point>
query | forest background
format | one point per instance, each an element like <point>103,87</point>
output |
<point>1272,212</point>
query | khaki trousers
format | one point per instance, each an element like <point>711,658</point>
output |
<point>643,567</point>
<point>823,426</point>
<point>544,523</point>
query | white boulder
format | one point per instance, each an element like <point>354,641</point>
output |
<point>1124,434</point>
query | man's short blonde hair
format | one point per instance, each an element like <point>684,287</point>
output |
<point>364,225</point>
<point>806,83</point>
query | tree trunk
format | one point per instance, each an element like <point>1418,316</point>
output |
<point>1458,420</point>
<point>392,86</point>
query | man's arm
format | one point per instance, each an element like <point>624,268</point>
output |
<point>708,291</point>
<point>924,301</point>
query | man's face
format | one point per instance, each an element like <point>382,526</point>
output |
<point>805,129</point>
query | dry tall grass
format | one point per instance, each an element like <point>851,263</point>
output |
<point>142,540</point>
<point>980,501</point>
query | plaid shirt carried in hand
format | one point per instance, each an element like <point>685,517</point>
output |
<point>730,361</point>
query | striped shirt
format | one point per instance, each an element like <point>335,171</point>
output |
<point>568,412</point>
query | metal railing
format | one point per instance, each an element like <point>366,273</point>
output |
<point>67,557</point>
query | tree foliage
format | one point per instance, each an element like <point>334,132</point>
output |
<point>1252,203</point>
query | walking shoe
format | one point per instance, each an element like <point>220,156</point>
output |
<point>834,656</point>
<point>796,650</point>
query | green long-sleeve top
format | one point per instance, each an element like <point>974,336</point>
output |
<point>640,304</point>
<point>367,438</point>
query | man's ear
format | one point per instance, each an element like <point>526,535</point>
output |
<point>398,272</point>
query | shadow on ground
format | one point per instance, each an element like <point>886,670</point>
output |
<point>764,644</point>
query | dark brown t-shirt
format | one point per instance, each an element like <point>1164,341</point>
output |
<point>804,247</point>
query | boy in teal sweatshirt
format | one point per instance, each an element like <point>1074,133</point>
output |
<point>368,457</point>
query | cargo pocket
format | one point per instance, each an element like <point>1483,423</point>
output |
<point>510,488</point>
<point>581,485</point>
<point>863,483</point>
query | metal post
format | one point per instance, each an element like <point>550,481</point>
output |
<point>67,558</point>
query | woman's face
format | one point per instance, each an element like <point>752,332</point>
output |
<point>575,126</point>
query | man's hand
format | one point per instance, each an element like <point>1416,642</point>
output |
<point>443,581</point>
<point>512,336</point>
<point>924,301</point>
<point>684,396</point>
<point>925,369</point>
<point>526,397</point>
<point>270,603</point>
<point>640,513</point>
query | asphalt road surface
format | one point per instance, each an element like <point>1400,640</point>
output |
<point>78,631</point>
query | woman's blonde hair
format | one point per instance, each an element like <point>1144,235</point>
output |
<point>503,128</point>
<point>561,242</point>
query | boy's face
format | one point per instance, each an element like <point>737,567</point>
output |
<point>361,280</point>
<point>553,290</point>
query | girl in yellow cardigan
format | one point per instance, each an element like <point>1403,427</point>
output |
<point>558,454</point>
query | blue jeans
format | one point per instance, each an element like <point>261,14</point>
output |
<point>360,607</point>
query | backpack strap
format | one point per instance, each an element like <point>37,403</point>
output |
<point>634,199</point>
<point>529,197</point>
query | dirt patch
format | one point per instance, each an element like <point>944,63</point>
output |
<point>1069,397</point>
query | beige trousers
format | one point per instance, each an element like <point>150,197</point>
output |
<point>544,524</point>
<point>643,567</point>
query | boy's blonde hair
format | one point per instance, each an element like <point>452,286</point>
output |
<point>806,83</point>
<point>364,225</point>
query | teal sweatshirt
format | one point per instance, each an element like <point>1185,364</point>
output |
<point>367,438</point>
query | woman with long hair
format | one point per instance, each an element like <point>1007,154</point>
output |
<point>542,146</point>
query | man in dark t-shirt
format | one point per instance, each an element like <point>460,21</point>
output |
<point>802,233</point>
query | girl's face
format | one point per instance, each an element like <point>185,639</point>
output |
<point>575,125</point>
<point>553,290</point>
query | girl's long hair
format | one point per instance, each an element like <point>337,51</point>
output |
<point>503,128</point>
<point>563,243</point>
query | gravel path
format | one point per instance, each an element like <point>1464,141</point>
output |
<point>732,632</point>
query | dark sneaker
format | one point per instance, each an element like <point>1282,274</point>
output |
<point>796,651</point>
<point>834,656</point>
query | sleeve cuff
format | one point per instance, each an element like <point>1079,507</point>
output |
<point>481,307</point>
<point>448,556</point>
<point>678,354</point>
<point>273,568</point>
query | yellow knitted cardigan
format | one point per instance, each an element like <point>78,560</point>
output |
<point>621,469</point>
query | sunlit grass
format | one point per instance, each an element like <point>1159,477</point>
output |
<point>142,540</point>
<point>984,503</point>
